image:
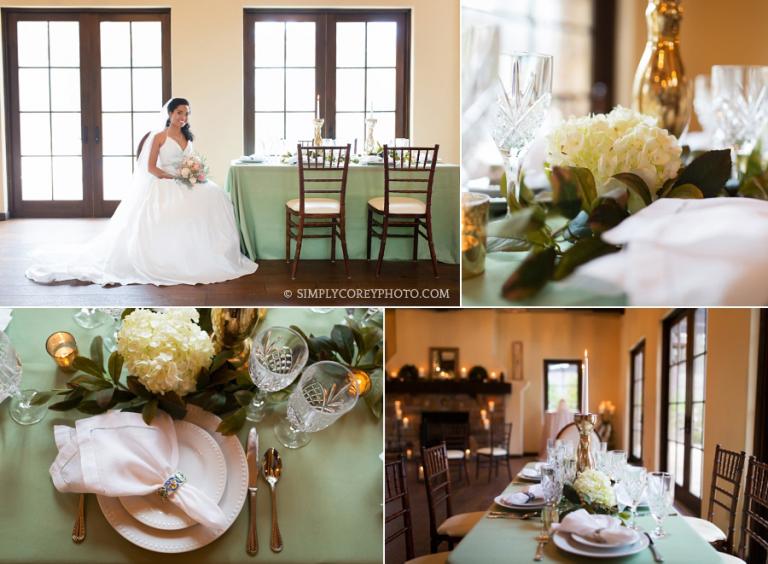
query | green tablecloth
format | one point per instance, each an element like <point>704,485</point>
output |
<point>506,541</point>
<point>329,495</point>
<point>485,290</point>
<point>259,194</point>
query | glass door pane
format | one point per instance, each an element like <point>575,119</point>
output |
<point>49,103</point>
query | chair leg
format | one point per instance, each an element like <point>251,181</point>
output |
<point>431,246</point>
<point>287,235</point>
<point>509,469</point>
<point>477,467</point>
<point>490,467</point>
<point>369,234</point>
<point>299,237</point>
<point>466,471</point>
<point>384,226</point>
<point>343,237</point>
<point>416,242</point>
<point>333,240</point>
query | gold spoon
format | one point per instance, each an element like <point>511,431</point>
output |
<point>271,469</point>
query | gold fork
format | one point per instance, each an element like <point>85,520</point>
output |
<point>78,531</point>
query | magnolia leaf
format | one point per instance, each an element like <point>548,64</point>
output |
<point>97,351</point>
<point>753,188</point>
<point>85,364</point>
<point>344,341</point>
<point>581,253</point>
<point>126,312</point>
<point>566,197</point>
<point>137,387</point>
<point>205,322</point>
<point>608,213</point>
<point>526,196</point>
<point>374,399</point>
<point>74,398</point>
<point>709,172</point>
<point>244,397</point>
<point>232,423</point>
<point>636,184</point>
<point>517,224</point>
<point>531,276</point>
<point>754,162</point>
<point>173,405</point>
<point>120,396</point>
<point>91,407</point>
<point>88,382</point>
<point>243,378</point>
<point>215,403</point>
<point>149,411</point>
<point>587,185</point>
<point>222,376</point>
<point>115,366</point>
<point>686,191</point>
<point>219,360</point>
<point>41,398</point>
<point>666,188</point>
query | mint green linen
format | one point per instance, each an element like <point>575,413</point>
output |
<point>329,495</point>
<point>259,194</point>
<point>506,541</point>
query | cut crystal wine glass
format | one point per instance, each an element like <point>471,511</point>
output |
<point>114,314</point>
<point>326,391</point>
<point>278,355</point>
<point>89,318</point>
<point>523,100</point>
<point>22,410</point>
<point>634,485</point>
<point>660,494</point>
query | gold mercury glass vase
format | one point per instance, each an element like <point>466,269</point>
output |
<point>661,89</point>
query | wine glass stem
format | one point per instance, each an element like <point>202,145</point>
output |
<point>512,171</point>
<point>734,162</point>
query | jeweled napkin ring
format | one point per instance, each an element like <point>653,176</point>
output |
<point>171,485</point>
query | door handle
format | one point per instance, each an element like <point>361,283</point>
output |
<point>97,135</point>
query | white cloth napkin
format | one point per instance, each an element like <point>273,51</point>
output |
<point>523,497</point>
<point>689,252</point>
<point>585,524</point>
<point>117,454</point>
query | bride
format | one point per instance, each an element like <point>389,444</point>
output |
<point>163,232</point>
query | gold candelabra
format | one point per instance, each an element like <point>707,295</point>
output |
<point>585,423</point>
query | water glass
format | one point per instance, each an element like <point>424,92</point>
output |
<point>115,315</point>
<point>21,409</point>
<point>634,485</point>
<point>326,391</point>
<point>89,318</point>
<point>278,355</point>
<point>704,106</point>
<point>617,460</point>
<point>660,496</point>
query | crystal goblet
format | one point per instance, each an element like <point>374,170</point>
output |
<point>660,495</point>
<point>634,484</point>
<point>21,410</point>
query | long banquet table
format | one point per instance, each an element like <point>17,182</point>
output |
<point>259,193</point>
<point>506,541</point>
<point>329,494</point>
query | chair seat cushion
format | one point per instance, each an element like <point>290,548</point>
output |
<point>705,529</point>
<point>455,454</point>
<point>496,451</point>
<point>439,558</point>
<point>399,204</point>
<point>315,205</point>
<point>724,558</point>
<point>460,524</point>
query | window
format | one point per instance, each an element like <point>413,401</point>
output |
<point>636,379</point>
<point>562,381</point>
<point>683,401</point>
<point>345,65</point>
<point>82,88</point>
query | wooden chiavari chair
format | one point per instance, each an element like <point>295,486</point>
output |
<point>396,492</point>
<point>496,451</point>
<point>456,438</point>
<point>727,473</point>
<point>408,171</point>
<point>754,523</point>
<point>437,481</point>
<point>326,167</point>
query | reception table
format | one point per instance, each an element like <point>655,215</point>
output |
<point>506,541</point>
<point>259,193</point>
<point>329,494</point>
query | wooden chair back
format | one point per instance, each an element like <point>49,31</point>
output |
<point>499,435</point>
<point>323,171</point>
<point>141,144</point>
<point>456,436</point>
<point>727,473</point>
<point>437,480</point>
<point>754,523</point>
<point>396,492</point>
<point>409,171</point>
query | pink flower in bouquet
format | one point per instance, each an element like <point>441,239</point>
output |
<point>192,170</point>
<point>201,178</point>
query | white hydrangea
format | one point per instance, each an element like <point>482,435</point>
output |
<point>165,350</point>
<point>621,141</point>
<point>595,486</point>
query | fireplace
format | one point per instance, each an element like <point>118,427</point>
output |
<point>433,424</point>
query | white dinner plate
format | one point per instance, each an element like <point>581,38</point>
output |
<point>191,538</point>
<point>566,543</point>
<point>603,545</point>
<point>529,475</point>
<point>202,462</point>
<point>533,506</point>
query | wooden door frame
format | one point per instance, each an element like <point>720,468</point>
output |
<point>638,348</point>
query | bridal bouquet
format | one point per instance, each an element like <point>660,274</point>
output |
<point>192,170</point>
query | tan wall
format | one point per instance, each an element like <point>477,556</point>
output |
<point>713,32</point>
<point>485,337</point>
<point>208,35</point>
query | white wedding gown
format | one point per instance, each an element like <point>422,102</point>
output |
<point>162,233</point>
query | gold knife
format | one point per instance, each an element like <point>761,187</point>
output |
<point>252,454</point>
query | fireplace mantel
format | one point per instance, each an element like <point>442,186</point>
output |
<point>448,387</point>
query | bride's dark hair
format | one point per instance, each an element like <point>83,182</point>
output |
<point>172,105</point>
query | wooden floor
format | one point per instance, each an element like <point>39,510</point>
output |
<point>401,283</point>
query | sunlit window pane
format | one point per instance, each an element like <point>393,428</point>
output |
<point>66,134</point>
<point>700,327</point>
<point>269,129</point>
<point>116,134</point>
<point>385,127</point>
<point>697,469</point>
<point>300,90</point>
<point>67,178</point>
<point>350,127</point>
<point>117,176</point>
<point>36,178</point>
<point>679,463</point>
<point>350,44</point>
<point>116,90</point>
<point>35,134</point>
<point>147,89</point>
<point>298,126</point>
<point>115,44</point>
<point>32,40</point>
<point>147,44</point>
<point>381,90</point>
<point>269,44</point>
<point>143,123</point>
<point>562,384</point>
<point>33,90</point>
<point>382,44</point>
<point>65,44</point>
<point>300,44</point>
<point>350,90</point>
<point>268,90</point>
<point>65,90</point>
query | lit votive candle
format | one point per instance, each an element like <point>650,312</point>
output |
<point>421,472</point>
<point>409,453</point>
<point>483,414</point>
<point>474,227</point>
<point>405,422</point>
<point>491,406</point>
<point>467,453</point>
<point>63,349</point>
<point>487,424</point>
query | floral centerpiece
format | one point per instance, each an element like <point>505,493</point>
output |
<point>168,359</point>
<point>591,490</point>
<point>603,168</point>
<point>193,169</point>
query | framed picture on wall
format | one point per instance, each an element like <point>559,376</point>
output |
<point>517,360</point>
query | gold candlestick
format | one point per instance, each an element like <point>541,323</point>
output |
<point>317,141</point>
<point>63,349</point>
<point>232,329</point>
<point>585,422</point>
<point>662,89</point>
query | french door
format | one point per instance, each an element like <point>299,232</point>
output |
<point>82,87</point>
<point>683,401</point>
